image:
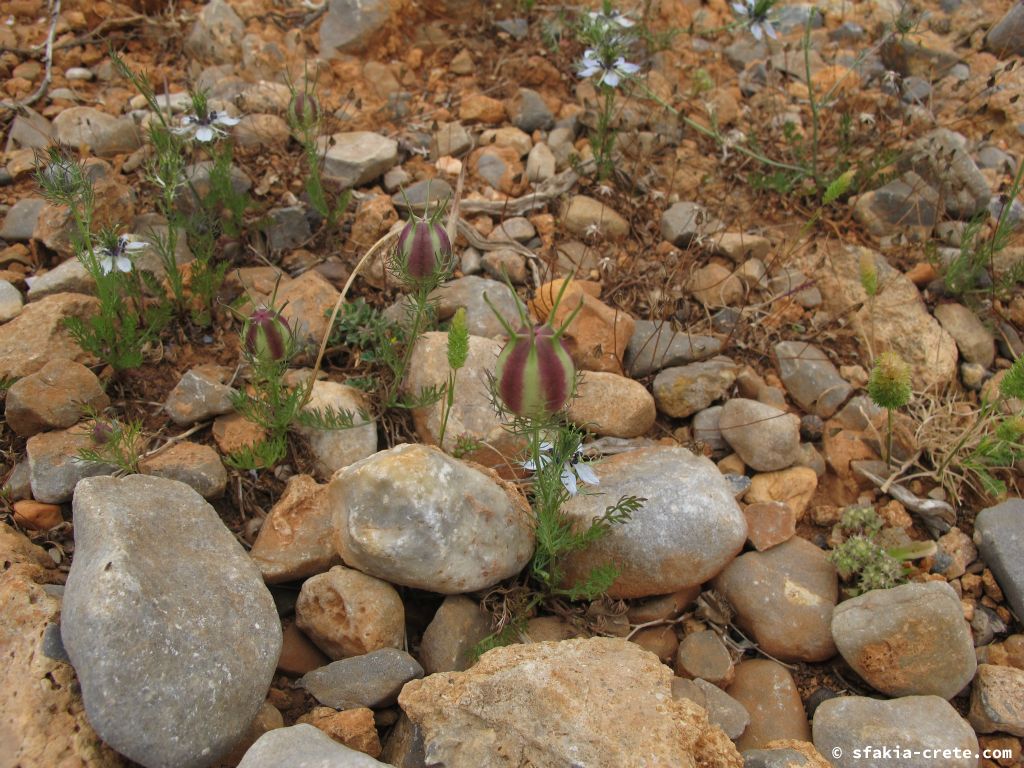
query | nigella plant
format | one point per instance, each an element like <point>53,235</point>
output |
<point>272,401</point>
<point>204,124</point>
<point>421,261</point>
<point>534,383</point>
<point>609,40</point>
<point>126,322</point>
<point>305,118</point>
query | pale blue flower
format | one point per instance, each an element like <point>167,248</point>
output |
<point>117,258</point>
<point>205,129</point>
<point>573,470</point>
<point>756,12</point>
<point>611,73</point>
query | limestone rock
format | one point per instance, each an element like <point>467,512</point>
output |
<point>352,727</point>
<point>973,339</point>
<point>304,746</point>
<point>42,721</point>
<point>997,700</point>
<point>784,598</point>
<point>295,539</point>
<point>417,517</point>
<point>472,415</point>
<point>687,531</point>
<point>766,438</point>
<point>896,319</point>
<point>54,466</point>
<point>197,466</point>
<point>452,634</point>
<point>200,394</point>
<point>170,674</point>
<point>770,695</point>
<point>612,405</point>
<point>654,346</point>
<point>1006,38</point>
<point>371,680</point>
<point>684,221</point>
<point>915,723</point>
<point>347,613</point>
<point>357,157</point>
<point>684,390</point>
<point>999,534</point>
<point>37,335</point>
<point>599,702</point>
<point>102,133</point>
<point>306,300</point>
<point>810,378</point>
<point>910,640</point>
<point>584,216</point>
<point>216,36</point>
<point>333,449</point>
<point>54,397</point>
<point>469,292</point>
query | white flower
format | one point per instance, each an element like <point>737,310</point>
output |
<point>613,17</point>
<point>205,128</point>
<point>611,73</point>
<point>117,258</point>
<point>756,12</point>
<point>572,470</point>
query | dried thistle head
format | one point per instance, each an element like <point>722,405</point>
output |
<point>889,385</point>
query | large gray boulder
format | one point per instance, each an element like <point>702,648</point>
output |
<point>168,624</point>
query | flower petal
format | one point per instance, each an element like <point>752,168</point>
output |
<point>132,246</point>
<point>226,120</point>
<point>569,481</point>
<point>123,264</point>
<point>205,133</point>
<point>626,67</point>
<point>587,474</point>
<point>611,78</point>
<point>740,8</point>
<point>755,30</point>
<point>770,30</point>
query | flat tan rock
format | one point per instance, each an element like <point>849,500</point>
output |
<point>37,335</point>
<point>601,702</point>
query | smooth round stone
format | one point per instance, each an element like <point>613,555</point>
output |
<point>687,531</point>
<point>304,746</point>
<point>450,638</point>
<point>766,438</point>
<point>347,613</point>
<point>915,723</point>
<point>723,710</point>
<point>997,700</point>
<point>906,641</point>
<point>54,397</point>
<point>168,624</point>
<point>417,517</point>
<point>336,448</point>
<point>784,597</point>
<point>611,405</point>
<point>770,695</point>
<point>704,655</point>
<point>372,680</point>
<point>684,390</point>
<point>794,486</point>
<point>810,377</point>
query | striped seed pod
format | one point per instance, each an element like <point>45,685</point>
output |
<point>535,375</point>
<point>303,109</point>
<point>423,250</point>
<point>268,338</point>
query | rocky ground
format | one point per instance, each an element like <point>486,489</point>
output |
<point>326,611</point>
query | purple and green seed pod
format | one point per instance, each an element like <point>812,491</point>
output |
<point>268,338</point>
<point>535,375</point>
<point>304,109</point>
<point>423,249</point>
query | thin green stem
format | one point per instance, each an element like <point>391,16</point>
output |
<point>813,103</point>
